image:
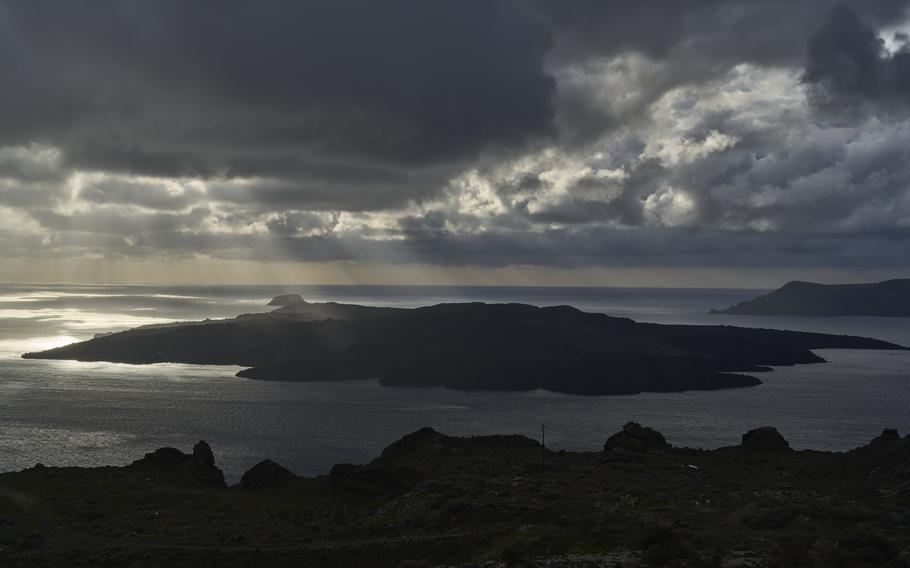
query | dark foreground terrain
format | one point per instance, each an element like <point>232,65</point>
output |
<point>434,500</point>
<point>883,299</point>
<point>468,346</point>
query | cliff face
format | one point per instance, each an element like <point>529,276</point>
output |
<point>884,299</point>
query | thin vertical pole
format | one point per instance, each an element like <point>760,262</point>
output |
<point>543,450</point>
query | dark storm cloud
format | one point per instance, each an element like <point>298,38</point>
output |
<point>801,179</point>
<point>484,132</point>
<point>241,88</point>
<point>766,32</point>
<point>849,70</point>
<point>208,87</point>
<point>696,41</point>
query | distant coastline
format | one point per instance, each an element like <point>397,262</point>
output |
<point>890,298</point>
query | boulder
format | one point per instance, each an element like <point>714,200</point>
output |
<point>265,474</point>
<point>637,438</point>
<point>287,300</point>
<point>764,438</point>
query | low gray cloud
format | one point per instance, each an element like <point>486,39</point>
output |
<point>148,194</point>
<point>297,222</point>
<point>669,247</point>
<point>850,71</point>
<point>224,87</point>
<point>113,221</point>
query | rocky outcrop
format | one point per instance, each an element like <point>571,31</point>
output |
<point>887,435</point>
<point>172,465</point>
<point>266,474</point>
<point>204,469</point>
<point>451,499</point>
<point>287,300</point>
<point>764,438</point>
<point>886,458</point>
<point>637,438</point>
<point>425,441</point>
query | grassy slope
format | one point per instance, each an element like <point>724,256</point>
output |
<point>450,501</point>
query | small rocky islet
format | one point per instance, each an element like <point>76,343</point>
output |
<point>434,500</point>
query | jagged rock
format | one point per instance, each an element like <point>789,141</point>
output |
<point>265,474</point>
<point>203,457</point>
<point>764,438</point>
<point>637,438</point>
<point>172,465</point>
<point>287,300</point>
<point>163,456</point>
<point>888,435</point>
<point>204,469</point>
<point>426,441</point>
<point>887,456</point>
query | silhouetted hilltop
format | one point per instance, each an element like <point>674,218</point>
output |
<point>287,300</point>
<point>483,502</point>
<point>468,346</point>
<point>884,299</point>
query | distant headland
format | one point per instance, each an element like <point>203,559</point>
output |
<point>883,299</point>
<point>471,346</point>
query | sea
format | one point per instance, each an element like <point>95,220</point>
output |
<point>65,413</point>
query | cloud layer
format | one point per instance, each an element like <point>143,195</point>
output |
<point>477,133</point>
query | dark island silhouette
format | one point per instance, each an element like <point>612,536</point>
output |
<point>883,299</point>
<point>486,502</point>
<point>468,346</point>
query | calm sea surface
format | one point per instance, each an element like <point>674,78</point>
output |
<point>68,413</point>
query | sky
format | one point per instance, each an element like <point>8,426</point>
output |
<point>729,143</point>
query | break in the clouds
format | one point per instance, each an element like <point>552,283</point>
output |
<point>487,133</point>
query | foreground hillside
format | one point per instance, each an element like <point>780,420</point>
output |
<point>883,299</point>
<point>434,500</point>
<point>468,346</point>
